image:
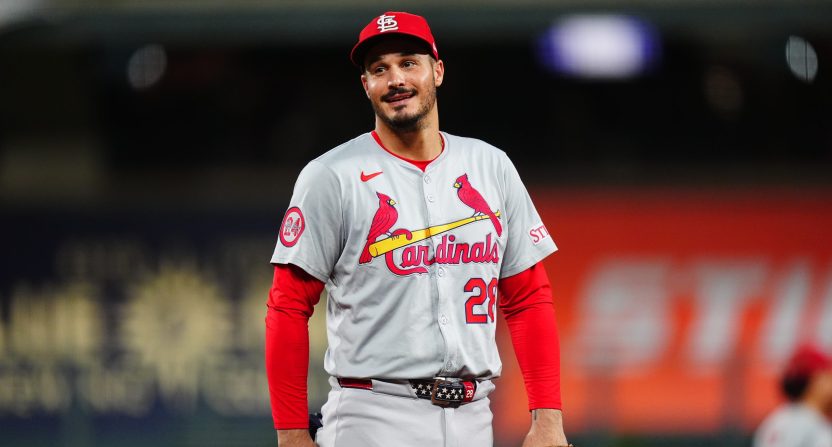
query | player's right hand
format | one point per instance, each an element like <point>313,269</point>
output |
<point>294,438</point>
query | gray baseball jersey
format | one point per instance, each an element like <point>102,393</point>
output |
<point>411,259</point>
<point>794,425</point>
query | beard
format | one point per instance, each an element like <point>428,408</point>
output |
<point>408,122</point>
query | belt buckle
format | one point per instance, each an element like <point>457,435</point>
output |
<point>447,393</point>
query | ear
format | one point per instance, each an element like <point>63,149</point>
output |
<point>364,84</point>
<point>438,72</point>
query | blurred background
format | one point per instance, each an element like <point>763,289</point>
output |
<point>679,152</point>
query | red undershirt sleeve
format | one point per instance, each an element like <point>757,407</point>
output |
<point>526,302</point>
<point>292,299</point>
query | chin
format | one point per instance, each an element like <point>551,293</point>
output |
<point>401,110</point>
<point>405,122</point>
<point>403,116</point>
<point>408,118</point>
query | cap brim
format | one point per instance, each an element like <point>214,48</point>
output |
<point>359,51</point>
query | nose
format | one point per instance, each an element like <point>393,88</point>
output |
<point>396,78</point>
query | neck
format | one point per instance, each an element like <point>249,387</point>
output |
<point>814,403</point>
<point>421,144</point>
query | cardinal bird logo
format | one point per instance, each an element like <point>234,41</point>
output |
<point>471,197</point>
<point>384,219</point>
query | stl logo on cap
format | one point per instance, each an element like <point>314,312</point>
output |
<point>387,23</point>
<point>393,22</point>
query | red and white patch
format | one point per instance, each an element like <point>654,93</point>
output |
<point>538,233</point>
<point>292,226</point>
<point>470,389</point>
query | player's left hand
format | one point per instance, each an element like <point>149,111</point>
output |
<point>546,430</point>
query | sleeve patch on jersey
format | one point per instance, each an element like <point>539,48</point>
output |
<point>538,233</point>
<point>292,226</point>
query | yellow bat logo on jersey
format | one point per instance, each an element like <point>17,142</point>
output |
<point>391,243</point>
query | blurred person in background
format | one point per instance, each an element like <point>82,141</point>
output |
<point>803,420</point>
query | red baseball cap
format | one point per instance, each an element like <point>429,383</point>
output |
<point>393,22</point>
<point>808,360</point>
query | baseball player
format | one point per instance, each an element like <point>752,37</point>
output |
<point>418,236</point>
<point>802,421</point>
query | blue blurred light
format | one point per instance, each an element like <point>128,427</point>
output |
<point>599,47</point>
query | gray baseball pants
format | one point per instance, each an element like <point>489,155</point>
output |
<point>389,416</point>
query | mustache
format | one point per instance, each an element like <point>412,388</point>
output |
<point>398,91</point>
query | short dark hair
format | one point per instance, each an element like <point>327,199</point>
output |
<point>794,386</point>
<point>361,52</point>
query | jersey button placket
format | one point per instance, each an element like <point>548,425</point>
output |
<point>439,272</point>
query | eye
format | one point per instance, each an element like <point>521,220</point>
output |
<point>378,69</point>
<point>409,64</point>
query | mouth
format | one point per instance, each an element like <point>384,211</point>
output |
<point>398,98</point>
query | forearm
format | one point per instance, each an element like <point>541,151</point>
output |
<point>526,302</point>
<point>546,429</point>
<point>293,437</point>
<point>287,365</point>
<point>292,298</point>
<point>534,336</point>
<point>547,418</point>
<point>530,316</point>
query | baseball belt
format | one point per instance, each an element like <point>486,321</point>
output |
<point>441,391</point>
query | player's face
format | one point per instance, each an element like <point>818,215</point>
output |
<point>400,80</point>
